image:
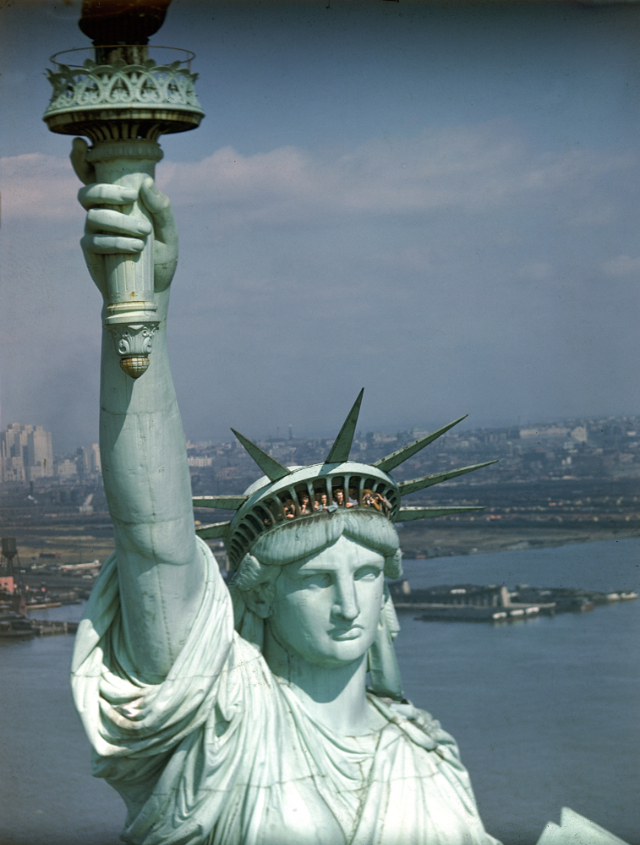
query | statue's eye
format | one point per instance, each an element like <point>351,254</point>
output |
<point>367,573</point>
<point>317,579</point>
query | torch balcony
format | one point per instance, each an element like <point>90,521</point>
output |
<point>129,97</point>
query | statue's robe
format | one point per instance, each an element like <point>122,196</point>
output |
<point>223,753</point>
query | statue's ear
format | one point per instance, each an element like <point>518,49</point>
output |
<point>259,600</point>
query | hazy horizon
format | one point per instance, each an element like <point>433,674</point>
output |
<point>281,433</point>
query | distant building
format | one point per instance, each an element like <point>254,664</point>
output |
<point>26,453</point>
<point>200,461</point>
<point>66,468</point>
<point>543,432</point>
<point>579,433</point>
<point>88,460</point>
<point>40,454</point>
<point>462,595</point>
<point>7,584</point>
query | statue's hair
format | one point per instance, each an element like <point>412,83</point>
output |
<point>303,538</point>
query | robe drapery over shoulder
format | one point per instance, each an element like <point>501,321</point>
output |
<point>222,752</point>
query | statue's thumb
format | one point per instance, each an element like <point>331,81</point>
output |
<point>160,208</point>
<point>84,170</point>
<point>153,198</point>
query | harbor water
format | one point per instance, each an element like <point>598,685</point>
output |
<point>546,710</point>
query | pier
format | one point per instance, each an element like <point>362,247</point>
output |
<point>47,628</point>
<point>493,603</point>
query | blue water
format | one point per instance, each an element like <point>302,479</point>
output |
<point>546,711</point>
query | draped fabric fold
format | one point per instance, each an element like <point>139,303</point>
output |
<point>223,753</point>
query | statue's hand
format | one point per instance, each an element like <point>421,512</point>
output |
<point>110,232</point>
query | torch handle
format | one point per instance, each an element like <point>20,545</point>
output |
<point>129,277</point>
<point>131,310</point>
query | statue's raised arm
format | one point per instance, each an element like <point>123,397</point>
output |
<point>142,443</point>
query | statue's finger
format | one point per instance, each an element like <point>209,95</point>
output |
<point>101,194</point>
<point>107,220</point>
<point>159,206</point>
<point>110,245</point>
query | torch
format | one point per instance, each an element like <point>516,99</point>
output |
<point>123,94</point>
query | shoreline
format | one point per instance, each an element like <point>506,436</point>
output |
<point>431,542</point>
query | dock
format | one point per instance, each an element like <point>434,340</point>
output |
<point>47,628</point>
<point>496,603</point>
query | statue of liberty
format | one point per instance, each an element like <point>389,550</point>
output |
<point>241,714</point>
<point>268,711</point>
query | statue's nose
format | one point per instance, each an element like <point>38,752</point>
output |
<point>346,604</point>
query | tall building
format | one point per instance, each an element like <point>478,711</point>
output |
<point>39,454</point>
<point>88,460</point>
<point>26,453</point>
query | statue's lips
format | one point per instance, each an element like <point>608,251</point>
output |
<point>346,633</point>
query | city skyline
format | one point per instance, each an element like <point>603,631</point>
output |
<point>26,455</point>
<point>435,203</point>
<point>596,447</point>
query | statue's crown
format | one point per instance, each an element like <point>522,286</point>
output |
<point>285,494</point>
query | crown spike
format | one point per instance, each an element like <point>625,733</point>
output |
<point>406,487</point>
<point>396,458</point>
<point>409,514</point>
<point>342,444</point>
<point>227,503</point>
<point>272,469</point>
<point>214,531</point>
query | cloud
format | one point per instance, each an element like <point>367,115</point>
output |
<point>622,265</point>
<point>476,169</point>
<point>38,186</point>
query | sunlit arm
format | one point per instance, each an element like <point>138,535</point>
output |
<point>146,479</point>
<point>142,444</point>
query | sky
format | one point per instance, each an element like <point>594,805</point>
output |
<point>435,202</point>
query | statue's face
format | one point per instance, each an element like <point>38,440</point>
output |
<point>326,607</point>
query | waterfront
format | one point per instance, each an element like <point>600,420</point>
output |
<point>545,711</point>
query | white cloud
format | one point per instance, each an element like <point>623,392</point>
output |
<point>37,185</point>
<point>472,168</point>
<point>475,169</point>
<point>622,265</point>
